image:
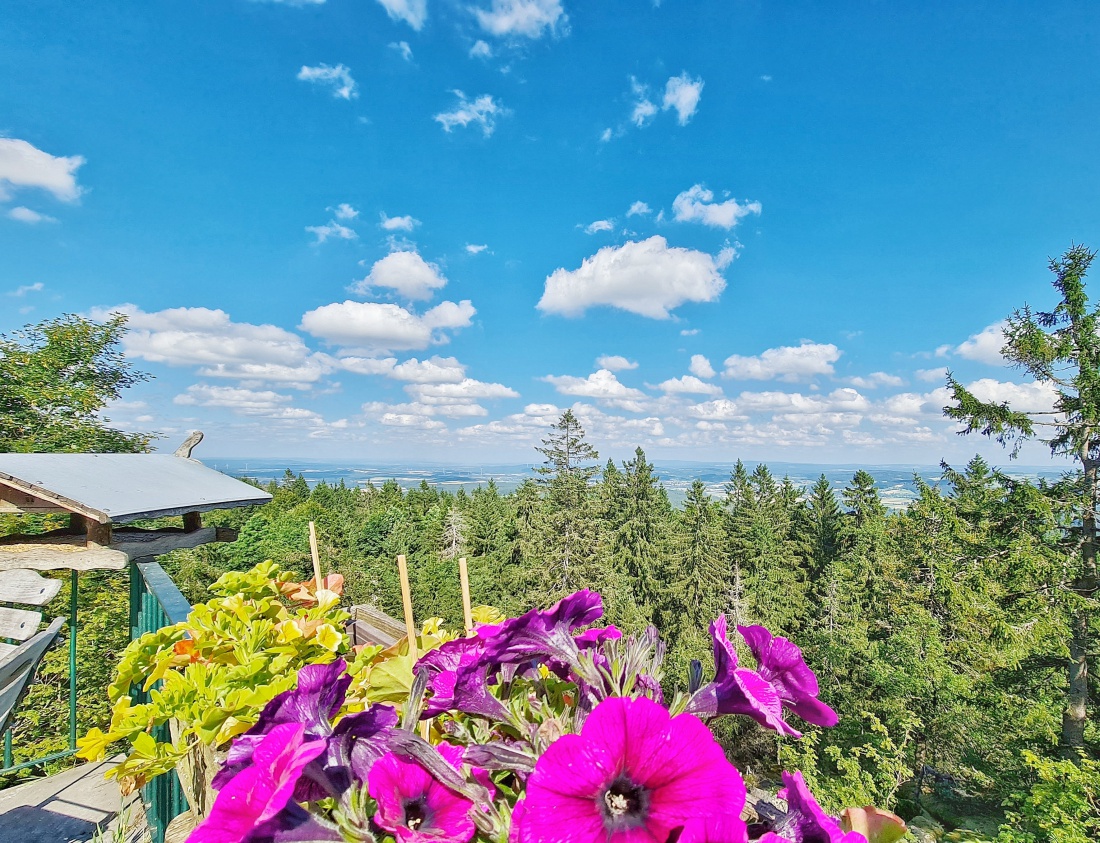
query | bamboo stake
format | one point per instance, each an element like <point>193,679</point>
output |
<point>406,600</point>
<point>316,556</point>
<point>467,613</point>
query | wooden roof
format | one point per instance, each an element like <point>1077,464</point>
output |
<point>117,488</point>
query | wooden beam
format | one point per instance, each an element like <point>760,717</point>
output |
<point>15,501</point>
<point>192,521</point>
<point>7,482</point>
<point>99,535</point>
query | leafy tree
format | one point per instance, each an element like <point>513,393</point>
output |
<point>1060,349</point>
<point>55,379</point>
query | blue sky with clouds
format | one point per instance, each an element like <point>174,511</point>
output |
<point>378,229</point>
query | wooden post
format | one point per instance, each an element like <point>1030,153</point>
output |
<point>407,603</point>
<point>467,612</point>
<point>192,521</point>
<point>99,535</point>
<point>314,553</point>
<point>76,524</point>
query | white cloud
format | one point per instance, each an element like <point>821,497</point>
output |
<point>476,248</point>
<point>406,273</point>
<point>599,225</point>
<point>605,135</point>
<point>529,18</point>
<point>344,211</point>
<point>644,109</point>
<point>403,49</point>
<point>36,287</point>
<point>23,165</point>
<point>368,365</point>
<point>405,223</point>
<point>337,78</point>
<point>700,366</point>
<point>411,420</point>
<point>482,111</point>
<point>386,326</point>
<point>985,347</point>
<point>688,385</point>
<point>696,204</point>
<point>247,401</point>
<point>199,336</point>
<point>601,385</point>
<point>647,278</point>
<point>412,12</point>
<point>682,93</point>
<point>689,332</point>
<point>639,208</point>
<point>786,363</point>
<point>1023,397</point>
<point>615,363</point>
<point>466,389</point>
<point>932,375</point>
<point>875,380</point>
<point>21,214</point>
<point>481,50</point>
<point>331,229</point>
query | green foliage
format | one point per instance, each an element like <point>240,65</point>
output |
<point>55,378</point>
<point>1062,804</point>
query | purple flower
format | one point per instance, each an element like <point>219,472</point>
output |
<point>458,679</point>
<point>780,662</point>
<point>805,821</point>
<point>633,775</point>
<point>414,807</point>
<point>597,635</point>
<point>260,792</point>
<point>738,690</point>
<point>349,748</point>
<point>542,634</point>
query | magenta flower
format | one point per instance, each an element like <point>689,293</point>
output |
<point>633,775</point>
<point>542,634</point>
<point>805,821</point>
<point>780,662</point>
<point>738,690</point>
<point>260,792</point>
<point>458,680</point>
<point>414,807</point>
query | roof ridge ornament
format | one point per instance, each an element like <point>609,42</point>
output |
<point>189,444</point>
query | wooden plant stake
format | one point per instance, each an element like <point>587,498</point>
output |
<point>407,603</point>
<point>467,612</point>
<point>316,556</point>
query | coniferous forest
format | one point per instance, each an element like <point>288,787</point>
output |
<point>939,633</point>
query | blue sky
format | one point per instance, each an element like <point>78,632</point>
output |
<point>379,229</point>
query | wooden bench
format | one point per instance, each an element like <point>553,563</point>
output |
<point>19,661</point>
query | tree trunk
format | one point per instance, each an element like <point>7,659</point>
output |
<point>1075,715</point>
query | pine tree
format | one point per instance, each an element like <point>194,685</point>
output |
<point>566,450</point>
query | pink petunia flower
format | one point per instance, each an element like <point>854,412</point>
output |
<point>633,775</point>
<point>805,821</point>
<point>257,794</point>
<point>780,662</point>
<point>414,807</point>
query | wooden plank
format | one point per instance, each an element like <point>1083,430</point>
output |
<point>46,558</point>
<point>17,669</point>
<point>7,482</point>
<point>7,648</point>
<point>139,544</point>
<point>97,534</point>
<point>18,502</point>
<point>369,625</point>
<point>27,587</point>
<point>18,624</point>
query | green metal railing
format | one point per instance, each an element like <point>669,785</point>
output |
<point>8,765</point>
<point>155,602</point>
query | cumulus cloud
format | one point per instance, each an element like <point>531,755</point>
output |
<point>344,211</point>
<point>406,273</point>
<point>482,111</point>
<point>476,248</point>
<point>331,230</point>
<point>1023,397</point>
<point>23,165</point>
<point>696,204</point>
<point>644,108</point>
<point>682,93</point>
<point>21,214</point>
<point>648,278</point>
<point>985,346</point>
<point>785,363</point>
<point>689,385</point>
<point>372,325</point>
<point>481,50</point>
<point>601,385</point>
<point>247,401</point>
<point>405,223</point>
<point>528,18</point>
<point>638,208</point>
<point>403,48</point>
<point>599,225</point>
<point>336,78</point>
<point>412,12</point>
<point>615,363</point>
<point>199,336</point>
<point>700,366</point>
<point>874,380</point>
<point>937,375</point>
<point>19,292</point>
